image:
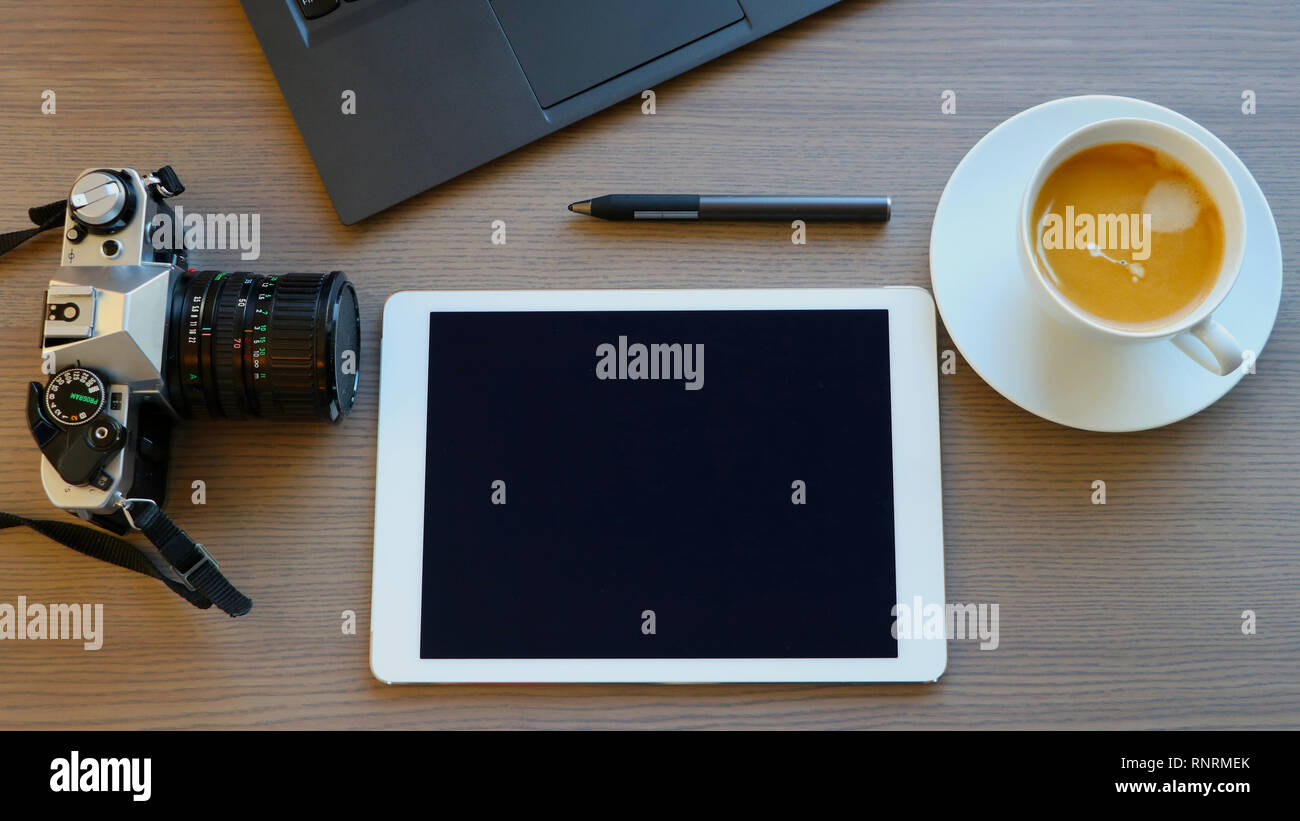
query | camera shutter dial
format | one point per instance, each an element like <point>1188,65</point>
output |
<point>101,201</point>
<point>74,396</point>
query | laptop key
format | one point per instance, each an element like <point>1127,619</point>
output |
<point>311,9</point>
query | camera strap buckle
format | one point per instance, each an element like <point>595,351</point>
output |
<point>204,556</point>
<point>198,571</point>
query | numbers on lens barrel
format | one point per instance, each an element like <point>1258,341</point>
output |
<point>237,342</point>
<point>266,293</point>
<point>192,323</point>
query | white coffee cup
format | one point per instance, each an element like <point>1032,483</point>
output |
<point>1195,333</point>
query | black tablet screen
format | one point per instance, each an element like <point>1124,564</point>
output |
<point>658,484</point>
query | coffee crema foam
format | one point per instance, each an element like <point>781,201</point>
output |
<point>1128,234</point>
<point>1173,206</point>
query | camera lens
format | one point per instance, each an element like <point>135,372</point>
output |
<point>244,345</point>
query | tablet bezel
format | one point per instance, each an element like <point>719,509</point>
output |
<point>400,475</point>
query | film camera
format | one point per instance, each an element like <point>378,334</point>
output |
<point>134,340</point>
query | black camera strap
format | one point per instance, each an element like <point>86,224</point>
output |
<point>201,584</point>
<point>44,216</point>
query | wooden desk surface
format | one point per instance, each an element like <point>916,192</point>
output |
<point>1118,616</point>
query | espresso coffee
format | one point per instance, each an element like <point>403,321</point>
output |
<point>1128,234</point>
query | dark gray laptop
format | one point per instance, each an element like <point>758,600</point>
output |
<point>441,86</point>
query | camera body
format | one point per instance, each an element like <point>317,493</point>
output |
<point>106,316</point>
<point>133,340</point>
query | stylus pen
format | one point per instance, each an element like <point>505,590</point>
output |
<point>723,207</point>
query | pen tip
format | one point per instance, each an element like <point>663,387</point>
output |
<point>581,207</point>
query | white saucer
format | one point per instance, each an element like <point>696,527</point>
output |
<point>1027,356</point>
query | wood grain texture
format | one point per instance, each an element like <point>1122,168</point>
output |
<point>1121,616</point>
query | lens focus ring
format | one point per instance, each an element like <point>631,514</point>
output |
<point>292,359</point>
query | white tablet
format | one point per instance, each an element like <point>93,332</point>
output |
<point>657,486</point>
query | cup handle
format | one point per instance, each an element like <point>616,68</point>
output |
<point>1214,338</point>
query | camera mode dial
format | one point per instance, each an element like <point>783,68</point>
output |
<point>74,396</point>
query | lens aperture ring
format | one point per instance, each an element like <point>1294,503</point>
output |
<point>208,344</point>
<point>195,302</point>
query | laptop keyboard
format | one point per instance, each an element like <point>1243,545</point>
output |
<point>320,18</point>
<point>312,9</point>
